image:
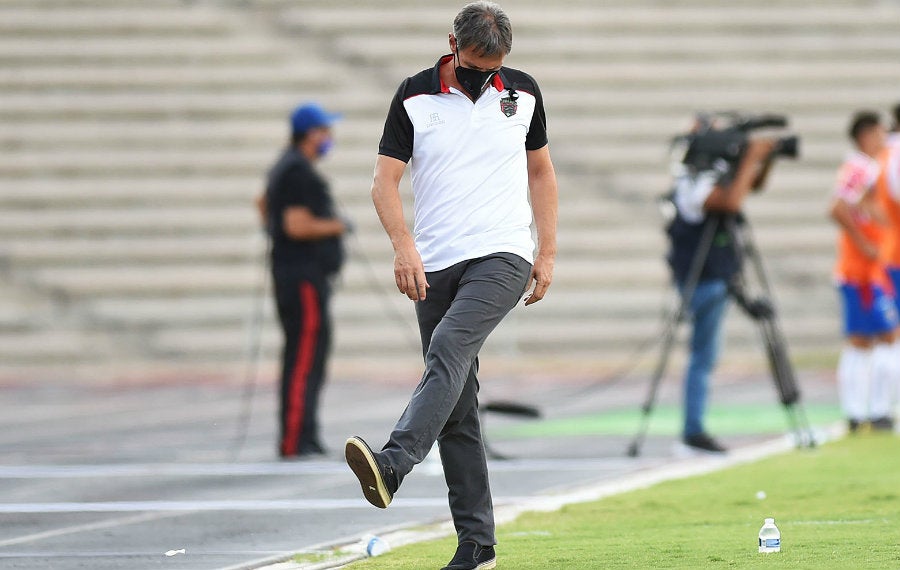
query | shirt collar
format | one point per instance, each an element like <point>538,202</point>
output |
<point>438,85</point>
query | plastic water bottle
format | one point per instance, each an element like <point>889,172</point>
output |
<point>769,537</point>
<point>375,545</point>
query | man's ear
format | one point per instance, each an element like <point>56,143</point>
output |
<point>452,40</point>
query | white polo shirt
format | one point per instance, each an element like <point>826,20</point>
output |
<point>468,163</point>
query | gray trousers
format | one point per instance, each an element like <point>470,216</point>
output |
<point>464,303</point>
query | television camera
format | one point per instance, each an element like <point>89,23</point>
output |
<point>719,140</point>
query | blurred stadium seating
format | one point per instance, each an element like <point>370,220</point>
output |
<point>134,136</point>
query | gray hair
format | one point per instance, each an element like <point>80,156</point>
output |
<point>484,26</point>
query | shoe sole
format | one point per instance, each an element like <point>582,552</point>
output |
<point>486,565</point>
<point>362,463</point>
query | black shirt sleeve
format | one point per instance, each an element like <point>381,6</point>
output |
<point>537,131</point>
<point>397,138</point>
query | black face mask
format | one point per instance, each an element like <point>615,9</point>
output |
<point>472,80</point>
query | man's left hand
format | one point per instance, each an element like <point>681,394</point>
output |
<point>541,276</point>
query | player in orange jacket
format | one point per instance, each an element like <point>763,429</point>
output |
<point>869,361</point>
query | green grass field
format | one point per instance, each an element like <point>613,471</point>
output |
<point>837,506</point>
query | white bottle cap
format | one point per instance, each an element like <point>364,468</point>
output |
<point>770,521</point>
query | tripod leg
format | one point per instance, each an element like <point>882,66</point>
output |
<point>647,407</point>
<point>806,438</point>
<point>782,370</point>
<point>785,381</point>
<point>254,348</point>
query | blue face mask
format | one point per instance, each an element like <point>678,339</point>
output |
<point>325,147</point>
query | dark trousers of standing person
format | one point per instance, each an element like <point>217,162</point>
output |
<point>464,304</point>
<point>302,300</point>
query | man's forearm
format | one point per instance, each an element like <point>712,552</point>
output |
<point>300,224</point>
<point>545,207</point>
<point>544,199</point>
<point>389,208</point>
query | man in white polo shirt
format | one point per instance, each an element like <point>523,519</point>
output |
<point>474,133</point>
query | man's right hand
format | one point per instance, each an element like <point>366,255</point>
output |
<point>409,273</point>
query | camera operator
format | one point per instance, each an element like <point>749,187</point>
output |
<point>702,197</point>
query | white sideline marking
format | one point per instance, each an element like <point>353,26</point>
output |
<point>199,506</point>
<point>74,529</point>
<point>221,505</point>
<point>144,553</point>
<point>296,468</point>
<point>167,470</point>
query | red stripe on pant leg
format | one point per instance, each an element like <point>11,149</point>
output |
<point>306,353</point>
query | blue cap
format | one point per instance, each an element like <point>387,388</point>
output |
<point>309,116</point>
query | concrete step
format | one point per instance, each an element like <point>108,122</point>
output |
<point>378,304</point>
<point>199,135</point>
<point>104,191</point>
<point>125,221</point>
<point>18,314</point>
<point>604,155</point>
<point>686,99</point>
<point>242,102</point>
<point>583,198</point>
<point>188,135</point>
<point>813,235</point>
<point>104,251</point>
<point>555,339</point>
<point>155,21</point>
<point>279,5</point>
<point>63,193</point>
<point>546,331</point>
<point>756,74</point>
<point>789,179</point>
<point>683,45</point>
<point>168,162</point>
<point>89,226</point>
<point>151,162</point>
<point>616,18</point>
<point>198,275</point>
<point>97,51</point>
<point>163,78</point>
<point>679,99</point>
<point>771,237</point>
<point>53,346</point>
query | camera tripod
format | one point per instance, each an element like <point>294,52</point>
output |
<point>760,309</point>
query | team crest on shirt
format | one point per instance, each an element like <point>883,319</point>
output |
<point>509,106</point>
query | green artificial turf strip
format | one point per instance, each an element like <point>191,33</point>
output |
<point>837,507</point>
<point>732,419</point>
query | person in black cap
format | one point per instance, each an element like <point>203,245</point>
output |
<point>306,254</point>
